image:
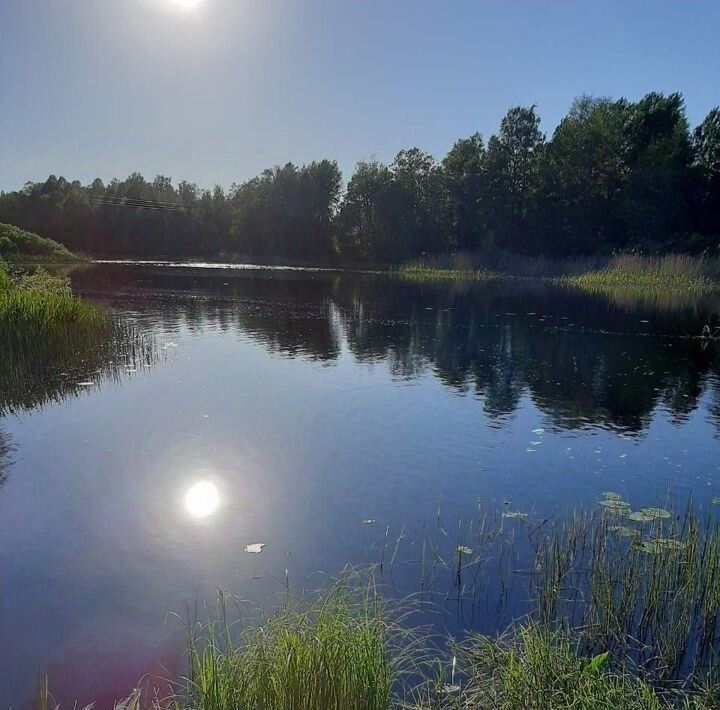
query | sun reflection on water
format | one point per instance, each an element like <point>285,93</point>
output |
<point>202,499</point>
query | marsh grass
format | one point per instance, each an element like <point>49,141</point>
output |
<point>341,649</point>
<point>634,273</point>
<point>52,341</point>
<point>621,611</point>
<point>533,668</point>
<point>37,304</point>
<point>652,598</point>
<point>677,272</point>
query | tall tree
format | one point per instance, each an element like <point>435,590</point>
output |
<point>513,169</point>
<point>466,182</point>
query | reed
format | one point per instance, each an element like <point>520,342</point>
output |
<point>678,272</point>
<point>337,650</point>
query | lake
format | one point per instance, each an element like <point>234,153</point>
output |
<point>330,416</point>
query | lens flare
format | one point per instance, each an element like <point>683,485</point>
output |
<point>202,499</point>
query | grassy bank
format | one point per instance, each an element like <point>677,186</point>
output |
<point>674,272</point>
<point>624,613</point>
<point>19,245</point>
<point>38,304</point>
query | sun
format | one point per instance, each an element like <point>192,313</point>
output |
<point>186,4</point>
<point>202,499</point>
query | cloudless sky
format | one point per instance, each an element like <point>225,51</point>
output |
<point>214,95</point>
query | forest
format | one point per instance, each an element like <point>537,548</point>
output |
<point>615,175</point>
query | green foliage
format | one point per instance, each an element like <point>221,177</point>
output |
<point>18,244</point>
<point>332,653</point>
<point>632,271</point>
<point>615,175</point>
<point>531,668</point>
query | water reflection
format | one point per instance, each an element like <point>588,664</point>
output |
<point>313,403</point>
<point>202,499</point>
<point>583,359</point>
<point>36,372</point>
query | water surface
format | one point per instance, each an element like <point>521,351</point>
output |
<point>312,401</point>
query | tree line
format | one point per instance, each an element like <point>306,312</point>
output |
<point>614,175</point>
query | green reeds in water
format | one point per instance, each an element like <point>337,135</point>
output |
<point>633,272</point>
<point>645,587</point>
<point>340,650</point>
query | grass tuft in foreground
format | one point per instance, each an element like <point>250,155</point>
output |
<point>531,668</point>
<point>334,653</point>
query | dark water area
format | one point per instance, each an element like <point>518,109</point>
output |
<point>312,402</point>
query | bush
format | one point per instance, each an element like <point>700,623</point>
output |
<point>16,244</point>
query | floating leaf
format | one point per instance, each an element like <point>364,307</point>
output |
<point>624,531</point>
<point>657,513</point>
<point>514,514</point>
<point>611,495</point>
<point>255,548</point>
<point>667,543</point>
<point>619,507</point>
<point>464,550</point>
<point>640,516</point>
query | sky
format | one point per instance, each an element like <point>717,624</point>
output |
<point>217,93</point>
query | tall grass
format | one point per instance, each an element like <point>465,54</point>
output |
<point>532,668</point>
<point>33,305</point>
<point>337,651</point>
<point>671,271</point>
<point>647,592</point>
<point>633,271</point>
<point>52,344</point>
<point>624,612</point>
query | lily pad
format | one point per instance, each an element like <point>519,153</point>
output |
<point>255,548</point>
<point>611,495</point>
<point>514,514</point>
<point>619,507</point>
<point>656,513</point>
<point>668,543</point>
<point>624,531</point>
<point>640,516</point>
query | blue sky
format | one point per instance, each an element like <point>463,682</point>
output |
<point>105,87</point>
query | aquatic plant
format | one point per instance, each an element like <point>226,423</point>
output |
<point>341,649</point>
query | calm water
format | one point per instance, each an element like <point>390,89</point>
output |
<point>314,401</point>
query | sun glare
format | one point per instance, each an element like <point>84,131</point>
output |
<point>202,499</point>
<point>186,4</point>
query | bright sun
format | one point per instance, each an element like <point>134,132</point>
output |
<point>202,499</point>
<point>187,4</point>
